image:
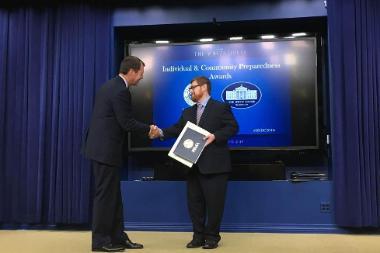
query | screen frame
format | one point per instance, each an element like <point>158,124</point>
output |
<point>129,46</point>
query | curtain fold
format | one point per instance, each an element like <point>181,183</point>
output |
<point>52,59</point>
<point>354,38</point>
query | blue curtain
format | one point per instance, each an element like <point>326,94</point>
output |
<point>354,35</point>
<point>52,59</point>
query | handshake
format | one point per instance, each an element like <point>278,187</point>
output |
<point>155,132</point>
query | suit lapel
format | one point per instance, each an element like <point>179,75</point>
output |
<point>194,114</point>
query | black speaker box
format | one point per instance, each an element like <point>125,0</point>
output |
<point>258,172</point>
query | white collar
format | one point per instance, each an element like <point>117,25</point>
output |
<point>125,81</point>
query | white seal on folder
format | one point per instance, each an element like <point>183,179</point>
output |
<point>188,143</point>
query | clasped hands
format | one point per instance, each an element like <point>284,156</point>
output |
<point>156,132</point>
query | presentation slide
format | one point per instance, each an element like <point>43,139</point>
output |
<point>259,80</point>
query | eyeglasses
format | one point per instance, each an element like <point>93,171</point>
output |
<point>195,86</point>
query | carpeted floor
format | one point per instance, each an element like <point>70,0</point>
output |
<point>28,241</point>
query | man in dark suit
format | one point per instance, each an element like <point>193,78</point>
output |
<point>207,179</point>
<point>111,119</point>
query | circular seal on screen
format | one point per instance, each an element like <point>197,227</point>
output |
<point>187,96</point>
<point>241,94</point>
<point>188,143</point>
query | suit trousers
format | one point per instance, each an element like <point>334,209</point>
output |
<point>205,198</point>
<point>107,220</point>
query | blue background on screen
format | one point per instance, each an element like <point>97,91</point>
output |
<point>267,123</point>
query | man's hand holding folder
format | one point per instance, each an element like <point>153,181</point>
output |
<point>190,144</point>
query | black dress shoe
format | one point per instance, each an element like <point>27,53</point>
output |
<point>109,248</point>
<point>128,244</point>
<point>210,245</point>
<point>195,243</point>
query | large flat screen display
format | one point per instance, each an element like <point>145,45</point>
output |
<point>271,87</point>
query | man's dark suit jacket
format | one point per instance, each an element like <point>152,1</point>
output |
<point>111,118</point>
<point>218,119</point>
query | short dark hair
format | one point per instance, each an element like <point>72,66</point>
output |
<point>203,80</point>
<point>130,62</point>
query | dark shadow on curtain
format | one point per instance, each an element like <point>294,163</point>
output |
<point>52,59</point>
<point>354,37</point>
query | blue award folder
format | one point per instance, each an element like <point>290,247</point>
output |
<point>189,144</point>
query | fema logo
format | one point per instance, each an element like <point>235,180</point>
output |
<point>187,96</point>
<point>241,95</point>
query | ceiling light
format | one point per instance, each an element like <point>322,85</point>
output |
<point>206,40</point>
<point>162,41</point>
<point>298,34</point>
<point>268,36</point>
<point>236,38</point>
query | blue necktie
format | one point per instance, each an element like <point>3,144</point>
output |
<point>199,112</point>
